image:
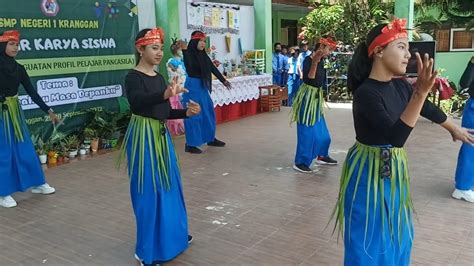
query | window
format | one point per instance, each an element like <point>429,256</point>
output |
<point>442,40</point>
<point>461,40</point>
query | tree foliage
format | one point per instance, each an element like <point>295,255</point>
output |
<point>347,21</point>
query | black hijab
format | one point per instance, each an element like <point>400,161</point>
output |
<point>8,64</point>
<point>198,62</point>
<point>9,70</point>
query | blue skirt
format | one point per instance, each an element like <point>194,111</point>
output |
<point>312,141</point>
<point>374,213</point>
<point>465,167</point>
<point>313,137</point>
<point>201,128</point>
<point>20,168</point>
<point>293,85</point>
<point>156,193</point>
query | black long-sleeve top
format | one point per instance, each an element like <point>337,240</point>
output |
<point>195,72</point>
<point>319,80</point>
<point>377,107</point>
<point>467,79</point>
<point>146,96</point>
<point>10,88</point>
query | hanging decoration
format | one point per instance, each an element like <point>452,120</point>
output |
<point>228,42</point>
<point>213,17</point>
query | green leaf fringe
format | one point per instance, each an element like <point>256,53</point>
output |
<point>147,131</point>
<point>311,99</point>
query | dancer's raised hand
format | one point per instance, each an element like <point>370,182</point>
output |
<point>174,88</point>
<point>426,76</point>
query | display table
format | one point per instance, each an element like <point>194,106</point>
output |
<point>240,101</point>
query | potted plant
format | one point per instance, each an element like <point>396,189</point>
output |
<point>40,148</point>
<point>53,145</point>
<point>82,150</point>
<point>52,156</point>
<point>64,151</point>
<point>72,142</point>
<point>108,126</point>
<point>92,136</point>
<point>60,158</point>
<point>87,145</point>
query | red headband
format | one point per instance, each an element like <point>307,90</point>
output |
<point>394,30</point>
<point>330,42</point>
<point>198,36</point>
<point>10,35</point>
<point>152,36</point>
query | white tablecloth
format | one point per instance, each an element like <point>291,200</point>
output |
<point>244,88</point>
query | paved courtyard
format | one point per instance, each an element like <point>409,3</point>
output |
<point>246,205</point>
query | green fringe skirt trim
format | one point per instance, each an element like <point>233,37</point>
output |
<point>152,133</point>
<point>12,114</point>
<point>308,105</point>
<point>359,157</point>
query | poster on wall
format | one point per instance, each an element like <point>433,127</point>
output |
<point>208,17</point>
<point>213,17</point>
<point>195,15</point>
<point>216,17</point>
<point>230,18</point>
<point>236,21</point>
<point>76,52</point>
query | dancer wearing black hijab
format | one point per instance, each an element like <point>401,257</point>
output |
<point>20,168</point>
<point>200,128</point>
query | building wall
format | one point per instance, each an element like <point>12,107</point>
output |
<point>454,63</point>
<point>150,10</point>
<point>278,16</point>
<point>146,14</point>
<point>246,34</point>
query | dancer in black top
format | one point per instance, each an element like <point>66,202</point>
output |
<point>201,128</point>
<point>20,168</point>
<point>374,208</point>
<point>153,167</point>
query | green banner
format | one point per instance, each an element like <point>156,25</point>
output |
<point>76,52</point>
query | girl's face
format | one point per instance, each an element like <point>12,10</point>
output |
<point>201,44</point>
<point>395,56</point>
<point>325,50</point>
<point>152,53</point>
<point>11,48</point>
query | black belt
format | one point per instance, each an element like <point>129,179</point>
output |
<point>386,161</point>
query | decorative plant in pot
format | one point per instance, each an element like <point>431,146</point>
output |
<point>95,129</point>
<point>52,155</point>
<point>53,145</point>
<point>82,150</point>
<point>110,131</point>
<point>60,157</point>
<point>92,136</point>
<point>108,126</point>
<point>72,143</point>
<point>87,145</point>
<point>40,147</point>
<point>64,151</point>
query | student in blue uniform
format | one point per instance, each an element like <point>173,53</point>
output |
<point>293,82</point>
<point>465,168</point>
